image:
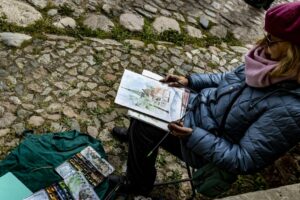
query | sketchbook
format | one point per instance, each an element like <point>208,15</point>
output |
<point>151,101</point>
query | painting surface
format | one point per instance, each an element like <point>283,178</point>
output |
<point>149,96</point>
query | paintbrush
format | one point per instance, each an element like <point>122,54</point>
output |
<point>165,136</point>
<point>182,85</point>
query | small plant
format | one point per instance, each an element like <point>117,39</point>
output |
<point>176,175</point>
<point>65,10</point>
<point>148,34</point>
<point>172,36</point>
<point>67,121</point>
<point>212,65</point>
<point>161,159</point>
<point>63,93</point>
<point>96,111</point>
<point>98,58</point>
<point>119,33</point>
<point>231,40</point>
<point>127,47</point>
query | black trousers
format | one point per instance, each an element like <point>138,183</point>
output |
<point>143,138</point>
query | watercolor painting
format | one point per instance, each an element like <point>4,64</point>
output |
<point>149,96</point>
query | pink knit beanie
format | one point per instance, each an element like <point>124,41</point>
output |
<point>283,21</point>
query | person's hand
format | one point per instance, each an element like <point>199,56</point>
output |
<point>175,81</point>
<point>178,130</point>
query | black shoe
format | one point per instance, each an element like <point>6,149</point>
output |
<point>120,133</point>
<point>124,185</point>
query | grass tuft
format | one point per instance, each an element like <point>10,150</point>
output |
<point>118,33</point>
<point>65,10</point>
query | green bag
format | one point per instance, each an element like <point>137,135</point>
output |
<point>34,161</point>
<point>212,181</point>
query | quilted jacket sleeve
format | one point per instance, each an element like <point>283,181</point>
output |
<point>200,81</point>
<point>273,134</point>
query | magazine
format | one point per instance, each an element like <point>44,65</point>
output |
<point>151,98</point>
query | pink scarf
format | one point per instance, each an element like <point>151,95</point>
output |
<point>258,68</point>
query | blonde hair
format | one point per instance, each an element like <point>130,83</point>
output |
<point>290,64</point>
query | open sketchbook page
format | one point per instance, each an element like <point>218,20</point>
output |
<point>150,120</point>
<point>149,96</point>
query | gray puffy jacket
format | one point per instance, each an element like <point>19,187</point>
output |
<point>261,125</point>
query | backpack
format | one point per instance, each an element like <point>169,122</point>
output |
<point>34,161</point>
<point>212,181</point>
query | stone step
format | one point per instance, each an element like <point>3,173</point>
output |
<point>288,192</point>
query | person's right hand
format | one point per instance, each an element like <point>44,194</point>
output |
<point>175,81</point>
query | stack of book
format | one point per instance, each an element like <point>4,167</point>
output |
<point>81,173</point>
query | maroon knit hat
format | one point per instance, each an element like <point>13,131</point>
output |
<point>283,21</point>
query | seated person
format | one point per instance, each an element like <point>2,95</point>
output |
<point>262,98</point>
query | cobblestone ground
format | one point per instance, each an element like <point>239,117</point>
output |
<point>55,83</point>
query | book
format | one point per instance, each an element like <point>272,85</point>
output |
<point>89,163</point>
<point>12,188</point>
<point>151,101</point>
<point>81,173</point>
<point>74,187</point>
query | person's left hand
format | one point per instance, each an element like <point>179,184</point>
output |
<point>178,130</point>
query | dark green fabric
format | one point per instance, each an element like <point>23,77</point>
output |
<point>212,181</point>
<point>33,162</point>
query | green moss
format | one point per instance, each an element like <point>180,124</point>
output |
<point>212,65</point>
<point>161,160</point>
<point>96,111</point>
<point>175,175</point>
<point>99,58</point>
<point>148,34</point>
<point>231,40</point>
<point>247,183</point>
<point>118,33</point>
<point>174,37</point>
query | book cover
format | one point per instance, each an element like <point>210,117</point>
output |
<point>12,188</point>
<point>149,96</point>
